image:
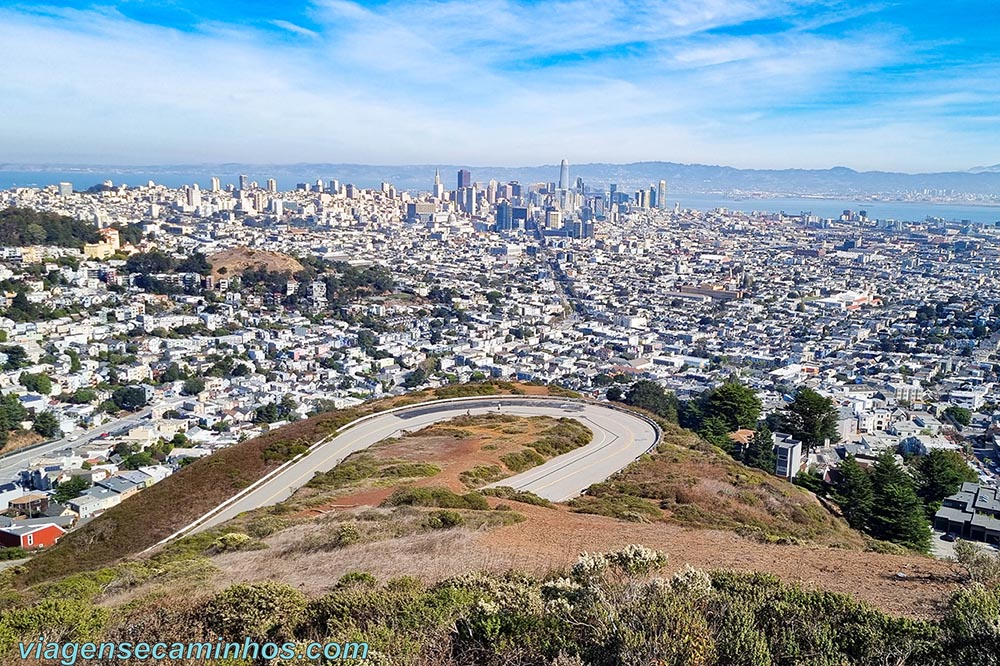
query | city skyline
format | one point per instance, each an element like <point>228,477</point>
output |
<point>763,84</point>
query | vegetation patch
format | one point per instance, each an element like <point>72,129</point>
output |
<point>688,483</point>
<point>437,497</point>
<point>481,475</point>
<point>522,496</point>
<point>607,609</point>
<point>519,461</point>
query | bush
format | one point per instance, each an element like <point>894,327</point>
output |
<point>977,565</point>
<point>255,611</point>
<point>438,497</point>
<point>885,548</point>
<point>409,470</point>
<point>233,542</point>
<point>522,460</point>
<point>443,519</point>
<point>265,526</point>
<point>13,553</point>
<point>347,534</point>
<point>481,475</point>
<point>523,496</point>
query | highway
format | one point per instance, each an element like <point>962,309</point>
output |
<point>619,438</point>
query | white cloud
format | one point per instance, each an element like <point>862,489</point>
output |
<point>498,83</point>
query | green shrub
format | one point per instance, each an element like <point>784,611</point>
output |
<point>523,496</point>
<point>265,526</point>
<point>885,548</point>
<point>522,460</point>
<point>233,541</point>
<point>481,475</point>
<point>56,619</point>
<point>347,534</point>
<point>443,519</point>
<point>254,610</point>
<point>438,497</point>
<point>409,470</point>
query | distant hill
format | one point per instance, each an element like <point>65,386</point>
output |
<point>238,259</point>
<point>836,182</point>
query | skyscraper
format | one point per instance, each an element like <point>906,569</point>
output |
<point>438,187</point>
<point>216,186</point>
<point>661,195</point>
<point>244,182</point>
<point>65,189</point>
<point>564,175</point>
<point>464,178</point>
<point>272,185</point>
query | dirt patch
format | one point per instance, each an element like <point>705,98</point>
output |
<point>552,539</point>
<point>238,259</point>
<point>20,439</point>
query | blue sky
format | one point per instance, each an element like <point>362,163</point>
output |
<point>908,85</point>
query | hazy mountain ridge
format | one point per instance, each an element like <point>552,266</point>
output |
<point>689,178</point>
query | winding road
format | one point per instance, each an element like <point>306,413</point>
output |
<point>619,438</point>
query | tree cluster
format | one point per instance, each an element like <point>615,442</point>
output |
<point>883,503</point>
<point>20,227</point>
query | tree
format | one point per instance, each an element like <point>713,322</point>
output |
<point>36,382</point>
<point>70,489</point>
<point>854,494</point>
<point>17,358</point>
<point>734,402</point>
<point>615,394</point>
<point>74,360</point>
<point>47,425</point>
<point>651,397</point>
<point>760,451</point>
<point>129,398</point>
<point>897,513</point>
<point>193,386</point>
<point>809,418</point>
<point>939,474</point>
<point>960,415</point>
<point>173,373</point>
<point>149,262</point>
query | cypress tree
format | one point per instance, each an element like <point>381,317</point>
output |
<point>854,494</point>
<point>897,514</point>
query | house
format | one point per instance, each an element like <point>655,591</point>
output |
<point>94,502</point>
<point>32,504</point>
<point>789,455</point>
<point>30,536</point>
<point>120,485</point>
<point>972,513</point>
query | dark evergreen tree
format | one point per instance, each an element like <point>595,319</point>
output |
<point>897,513</point>
<point>938,474</point>
<point>759,452</point>
<point>809,418</point>
<point>651,397</point>
<point>854,494</point>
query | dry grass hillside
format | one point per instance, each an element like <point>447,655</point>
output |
<point>238,259</point>
<point>147,517</point>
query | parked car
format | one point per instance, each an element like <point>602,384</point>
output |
<point>949,537</point>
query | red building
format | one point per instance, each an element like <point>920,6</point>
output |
<point>30,536</point>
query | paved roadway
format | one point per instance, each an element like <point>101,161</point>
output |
<point>619,438</point>
<point>14,462</point>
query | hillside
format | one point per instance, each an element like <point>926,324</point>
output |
<point>235,260</point>
<point>603,609</point>
<point>408,506</point>
<point>150,516</point>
